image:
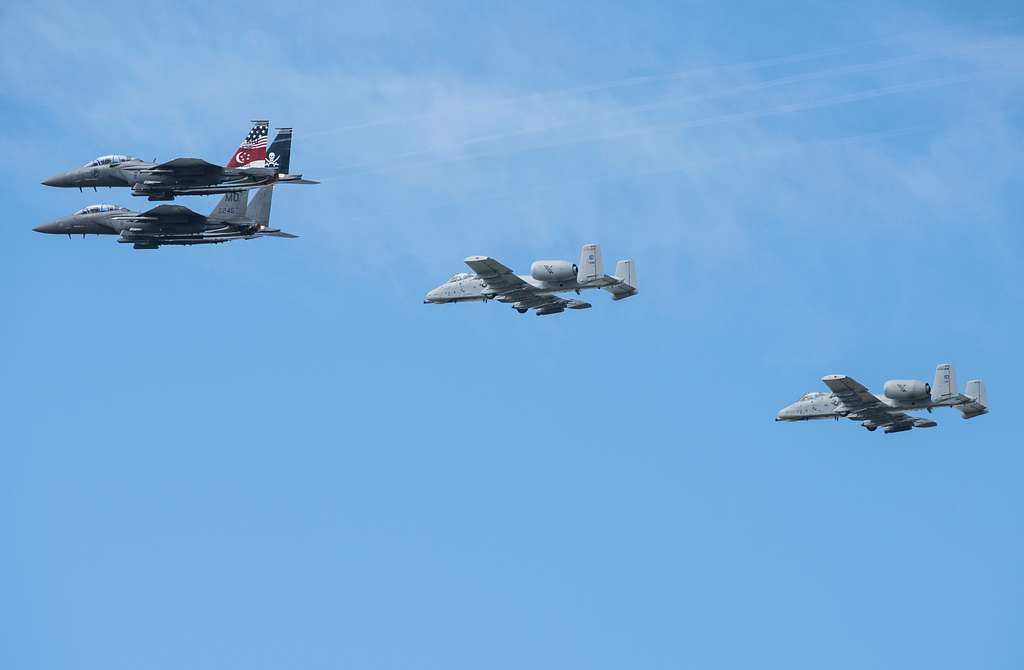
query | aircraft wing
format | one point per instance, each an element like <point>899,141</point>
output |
<point>512,289</point>
<point>862,404</point>
<point>164,218</point>
<point>853,394</point>
<point>497,276</point>
<point>186,167</point>
<point>165,212</point>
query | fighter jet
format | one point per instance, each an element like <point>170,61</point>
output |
<point>232,219</point>
<point>490,280</point>
<point>249,167</point>
<point>851,400</point>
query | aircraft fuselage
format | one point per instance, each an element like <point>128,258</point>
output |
<point>473,288</point>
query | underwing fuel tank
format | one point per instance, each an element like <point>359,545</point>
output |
<point>550,309</point>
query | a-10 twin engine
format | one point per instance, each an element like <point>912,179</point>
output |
<point>907,389</point>
<point>553,271</point>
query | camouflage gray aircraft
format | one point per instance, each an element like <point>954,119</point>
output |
<point>851,400</point>
<point>490,280</point>
<point>232,219</point>
<point>250,166</point>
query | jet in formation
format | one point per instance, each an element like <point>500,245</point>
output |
<point>852,400</point>
<point>252,165</point>
<point>234,218</point>
<point>490,280</point>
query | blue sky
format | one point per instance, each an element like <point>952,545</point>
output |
<point>271,454</point>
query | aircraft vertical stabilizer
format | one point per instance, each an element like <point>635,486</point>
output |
<point>231,206</point>
<point>259,211</point>
<point>280,151</point>
<point>259,208</point>
<point>591,266</point>
<point>252,152</point>
<point>945,382</point>
<point>978,404</point>
<point>625,272</point>
<point>976,391</point>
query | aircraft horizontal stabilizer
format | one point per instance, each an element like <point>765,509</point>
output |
<point>295,179</point>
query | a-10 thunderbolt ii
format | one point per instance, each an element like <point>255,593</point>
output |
<point>251,165</point>
<point>851,400</point>
<point>490,280</point>
<point>234,218</point>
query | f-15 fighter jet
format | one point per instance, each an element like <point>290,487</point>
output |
<point>247,168</point>
<point>490,280</point>
<point>851,400</point>
<point>232,219</point>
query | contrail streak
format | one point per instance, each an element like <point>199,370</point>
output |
<point>800,57</point>
<point>627,112</point>
<point>600,86</point>
<point>696,123</point>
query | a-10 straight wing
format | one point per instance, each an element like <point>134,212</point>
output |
<point>864,405</point>
<point>507,286</point>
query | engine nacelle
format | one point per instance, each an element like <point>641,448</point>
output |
<point>907,389</point>
<point>553,271</point>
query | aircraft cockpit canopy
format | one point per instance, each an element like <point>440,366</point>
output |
<point>98,209</point>
<point>811,396</point>
<point>110,159</point>
<point>458,277</point>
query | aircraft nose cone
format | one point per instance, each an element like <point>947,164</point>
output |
<point>62,179</point>
<point>55,227</point>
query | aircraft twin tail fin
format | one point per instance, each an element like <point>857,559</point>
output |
<point>591,269</point>
<point>977,400</point>
<point>252,152</point>
<point>971,403</point>
<point>259,212</point>
<point>944,387</point>
<point>280,151</point>
<point>591,266</point>
<point>231,206</point>
<point>625,272</point>
<point>259,208</point>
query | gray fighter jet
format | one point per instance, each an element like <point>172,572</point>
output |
<point>250,166</point>
<point>851,400</point>
<point>232,219</point>
<point>490,280</point>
